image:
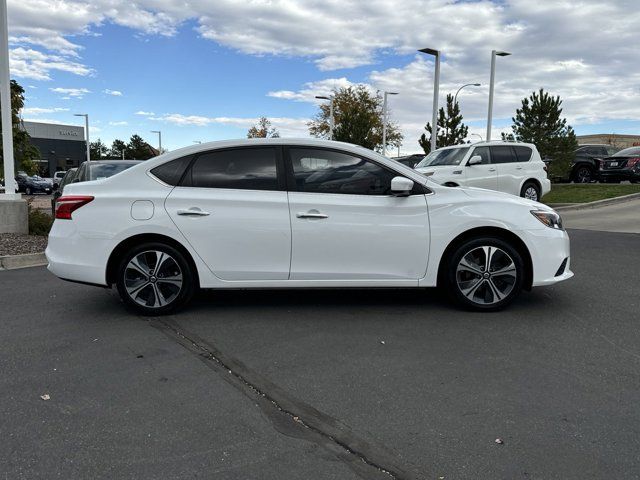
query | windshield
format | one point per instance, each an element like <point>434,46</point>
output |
<point>450,156</point>
<point>104,170</point>
<point>628,151</point>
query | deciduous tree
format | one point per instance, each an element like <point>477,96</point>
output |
<point>263,129</point>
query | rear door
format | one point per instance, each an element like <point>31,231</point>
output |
<point>232,207</point>
<point>510,171</point>
<point>482,175</point>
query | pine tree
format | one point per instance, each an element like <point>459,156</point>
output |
<point>539,122</point>
<point>451,130</point>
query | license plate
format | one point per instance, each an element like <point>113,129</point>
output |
<point>613,164</point>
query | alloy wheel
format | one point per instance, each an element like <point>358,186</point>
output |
<point>584,175</point>
<point>153,279</point>
<point>531,194</point>
<point>486,275</point>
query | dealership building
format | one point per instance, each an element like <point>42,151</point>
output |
<point>617,140</point>
<point>61,146</point>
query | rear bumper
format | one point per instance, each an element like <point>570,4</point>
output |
<point>618,175</point>
<point>546,186</point>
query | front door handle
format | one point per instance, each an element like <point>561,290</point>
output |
<point>311,215</point>
<point>492,169</point>
<point>193,212</point>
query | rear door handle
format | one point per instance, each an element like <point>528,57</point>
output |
<point>311,215</point>
<point>193,212</point>
<point>492,169</point>
<point>518,168</point>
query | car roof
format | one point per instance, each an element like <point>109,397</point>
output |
<point>491,143</point>
<point>112,162</point>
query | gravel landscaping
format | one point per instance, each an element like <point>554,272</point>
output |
<point>14,244</point>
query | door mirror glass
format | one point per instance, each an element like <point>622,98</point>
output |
<point>401,186</point>
<point>475,160</point>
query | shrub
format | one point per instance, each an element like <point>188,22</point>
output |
<point>39,222</point>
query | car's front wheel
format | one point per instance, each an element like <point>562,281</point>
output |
<point>485,274</point>
<point>583,174</point>
<point>155,279</point>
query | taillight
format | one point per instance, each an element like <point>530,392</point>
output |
<point>65,206</point>
<point>632,162</point>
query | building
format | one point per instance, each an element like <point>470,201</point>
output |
<point>61,146</point>
<point>614,139</point>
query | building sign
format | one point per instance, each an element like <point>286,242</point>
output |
<point>69,133</point>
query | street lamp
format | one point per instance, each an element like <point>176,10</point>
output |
<point>86,130</point>
<point>494,53</point>
<point>436,87</point>
<point>455,98</point>
<point>478,135</point>
<point>159,140</point>
<point>331,119</point>
<point>384,122</point>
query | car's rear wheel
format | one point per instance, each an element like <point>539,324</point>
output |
<point>485,274</point>
<point>583,174</point>
<point>530,191</point>
<point>155,279</point>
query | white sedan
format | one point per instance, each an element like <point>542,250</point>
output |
<point>284,213</point>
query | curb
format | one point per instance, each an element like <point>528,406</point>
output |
<point>599,203</point>
<point>10,262</point>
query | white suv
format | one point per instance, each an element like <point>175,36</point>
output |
<point>514,168</point>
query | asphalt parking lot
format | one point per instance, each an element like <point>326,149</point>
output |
<point>327,384</point>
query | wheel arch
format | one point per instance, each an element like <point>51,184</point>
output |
<point>534,181</point>
<point>124,245</point>
<point>495,232</point>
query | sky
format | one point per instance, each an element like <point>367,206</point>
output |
<point>204,70</point>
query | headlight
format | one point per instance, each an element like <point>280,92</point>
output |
<point>550,219</point>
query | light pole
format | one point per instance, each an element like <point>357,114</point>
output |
<point>331,119</point>
<point>5,104</point>
<point>436,87</point>
<point>86,131</point>
<point>477,135</point>
<point>494,53</point>
<point>384,122</point>
<point>455,98</point>
<point>159,140</point>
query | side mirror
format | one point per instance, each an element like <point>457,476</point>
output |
<point>401,186</point>
<point>475,160</point>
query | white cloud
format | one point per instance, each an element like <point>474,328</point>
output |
<point>288,127</point>
<point>29,63</point>
<point>118,124</point>
<point>70,92</point>
<point>40,111</point>
<point>115,93</point>
<point>145,114</point>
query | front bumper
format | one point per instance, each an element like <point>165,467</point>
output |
<point>549,249</point>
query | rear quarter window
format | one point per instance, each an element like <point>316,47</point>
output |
<point>523,154</point>
<point>171,172</point>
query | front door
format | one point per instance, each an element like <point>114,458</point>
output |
<point>483,175</point>
<point>345,223</point>
<point>233,210</point>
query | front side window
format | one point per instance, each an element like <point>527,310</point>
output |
<point>326,171</point>
<point>449,156</point>
<point>502,154</point>
<point>242,168</point>
<point>483,152</point>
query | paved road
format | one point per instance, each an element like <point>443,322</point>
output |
<point>327,384</point>
<point>623,218</point>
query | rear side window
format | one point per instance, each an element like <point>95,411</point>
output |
<point>244,168</point>
<point>171,172</point>
<point>502,155</point>
<point>523,154</point>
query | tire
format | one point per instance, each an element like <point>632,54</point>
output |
<point>471,286</point>
<point>583,174</point>
<point>531,191</point>
<point>148,291</point>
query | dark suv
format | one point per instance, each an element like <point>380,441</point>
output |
<point>587,162</point>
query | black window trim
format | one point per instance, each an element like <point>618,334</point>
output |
<point>418,189</point>
<point>186,180</point>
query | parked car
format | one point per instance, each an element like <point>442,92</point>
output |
<point>623,165</point>
<point>57,192</point>
<point>57,178</point>
<point>514,168</point>
<point>258,214</point>
<point>97,169</point>
<point>410,160</point>
<point>586,164</point>
<point>33,184</point>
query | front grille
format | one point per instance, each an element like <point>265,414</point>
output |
<point>563,265</point>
